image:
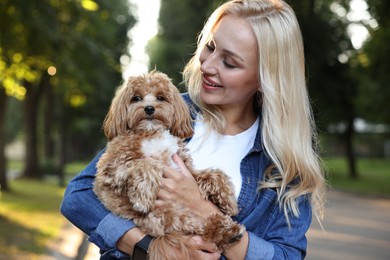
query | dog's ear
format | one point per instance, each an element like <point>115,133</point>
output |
<point>115,122</point>
<point>181,125</point>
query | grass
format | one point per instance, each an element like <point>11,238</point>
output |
<point>29,214</point>
<point>373,176</point>
<point>29,218</point>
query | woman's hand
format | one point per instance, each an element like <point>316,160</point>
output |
<point>199,250</point>
<point>203,250</point>
<point>179,186</point>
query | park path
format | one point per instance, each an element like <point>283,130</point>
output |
<point>355,227</point>
<point>67,246</point>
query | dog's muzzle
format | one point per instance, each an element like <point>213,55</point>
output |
<point>149,110</point>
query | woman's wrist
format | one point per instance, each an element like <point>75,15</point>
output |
<point>127,242</point>
<point>141,248</point>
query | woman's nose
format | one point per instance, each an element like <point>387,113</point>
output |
<point>208,64</point>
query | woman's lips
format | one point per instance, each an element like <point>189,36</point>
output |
<point>209,84</point>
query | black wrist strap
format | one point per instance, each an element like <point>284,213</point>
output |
<point>141,248</point>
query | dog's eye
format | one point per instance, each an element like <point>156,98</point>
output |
<point>136,98</point>
<point>160,98</point>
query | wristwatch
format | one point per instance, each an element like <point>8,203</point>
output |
<point>140,251</point>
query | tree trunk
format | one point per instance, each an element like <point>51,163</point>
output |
<point>82,251</point>
<point>350,153</point>
<point>31,103</point>
<point>48,140</point>
<point>3,169</point>
<point>62,145</point>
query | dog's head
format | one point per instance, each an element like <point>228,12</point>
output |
<point>148,102</point>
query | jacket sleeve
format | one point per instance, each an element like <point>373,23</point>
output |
<point>82,208</point>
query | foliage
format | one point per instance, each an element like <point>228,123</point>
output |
<point>82,43</point>
<point>179,24</point>
<point>373,64</point>
<point>67,53</point>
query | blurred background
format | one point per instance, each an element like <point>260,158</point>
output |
<point>61,61</point>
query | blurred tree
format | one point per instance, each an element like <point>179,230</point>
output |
<point>67,51</point>
<point>3,178</point>
<point>373,64</point>
<point>88,73</point>
<point>179,24</point>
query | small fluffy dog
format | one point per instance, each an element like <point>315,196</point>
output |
<point>149,118</point>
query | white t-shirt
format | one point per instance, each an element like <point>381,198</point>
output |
<point>221,151</point>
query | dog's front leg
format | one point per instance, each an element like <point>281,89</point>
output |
<point>222,230</point>
<point>216,186</point>
<point>143,184</point>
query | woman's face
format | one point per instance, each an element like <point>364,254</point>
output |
<point>229,64</point>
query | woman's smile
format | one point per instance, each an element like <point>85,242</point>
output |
<point>208,84</point>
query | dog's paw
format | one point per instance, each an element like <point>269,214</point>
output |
<point>222,230</point>
<point>217,187</point>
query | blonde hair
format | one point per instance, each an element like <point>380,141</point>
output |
<point>288,129</point>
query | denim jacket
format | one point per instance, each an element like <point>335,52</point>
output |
<point>270,236</point>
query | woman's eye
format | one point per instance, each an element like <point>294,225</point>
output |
<point>160,98</point>
<point>136,98</point>
<point>228,65</point>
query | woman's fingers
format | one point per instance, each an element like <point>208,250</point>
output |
<point>200,244</point>
<point>177,173</point>
<point>179,186</point>
<point>179,162</point>
<point>201,255</point>
<point>204,250</point>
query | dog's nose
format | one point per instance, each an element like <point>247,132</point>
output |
<point>149,110</point>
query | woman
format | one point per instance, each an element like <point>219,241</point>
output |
<point>247,90</point>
